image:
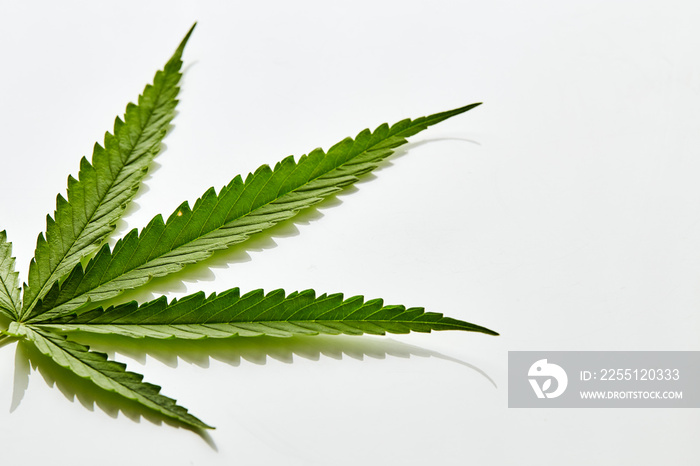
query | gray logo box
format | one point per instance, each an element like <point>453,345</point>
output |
<point>604,379</point>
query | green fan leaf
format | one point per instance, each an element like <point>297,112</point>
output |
<point>256,313</point>
<point>106,374</point>
<point>98,198</point>
<point>73,270</point>
<point>9,280</point>
<point>217,221</point>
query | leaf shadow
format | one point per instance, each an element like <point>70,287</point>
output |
<point>21,380</point>
<point>231,351</point>
<point>257,350</point>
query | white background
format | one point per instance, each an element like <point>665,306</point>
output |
<point>563,213</point>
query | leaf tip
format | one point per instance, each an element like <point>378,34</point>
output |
<point>182,45</point>
<point>467,107</point>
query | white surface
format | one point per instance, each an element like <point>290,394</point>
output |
<point>564,213</point>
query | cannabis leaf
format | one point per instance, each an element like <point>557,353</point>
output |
<point>255,314</point>
<point>73,270</point>
<point>97,199</point>
<point>106,374</point>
